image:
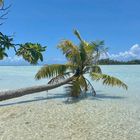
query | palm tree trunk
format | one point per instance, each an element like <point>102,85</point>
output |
<point>4,95</point>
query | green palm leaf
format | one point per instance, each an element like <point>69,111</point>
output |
<point>95,69</point>
<point>59,78</point>
<point>82,82</point>
<point>91,69</point>
<point>108,80</point>
<point>52,70</point>
<point>76,86</point>
<point>83,54</point>
<point>85,47</point>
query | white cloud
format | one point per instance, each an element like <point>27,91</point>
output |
<point>13,61</point>
<point>132,53</point>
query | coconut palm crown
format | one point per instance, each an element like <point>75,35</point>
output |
<point>82,59</point>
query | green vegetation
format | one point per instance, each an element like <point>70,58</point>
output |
<point>31,52</point>
<point>115,62</point>
<point>82,59</point>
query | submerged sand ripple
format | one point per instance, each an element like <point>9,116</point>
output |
<point>84,120</point>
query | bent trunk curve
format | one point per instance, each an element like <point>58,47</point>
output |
<point>4,95</point>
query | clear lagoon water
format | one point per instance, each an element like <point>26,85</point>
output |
<point>13,77</point>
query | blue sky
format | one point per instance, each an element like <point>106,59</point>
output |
<point>49,21</point>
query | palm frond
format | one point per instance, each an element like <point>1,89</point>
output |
<point>83,53</point>
<point>82,82</point>
<point>70,51</point>
<point>71,66</point>
<point>109,80</point>
<point>98,49</point>
<point>85,47</point>
<point>78,35</point>
<point>59,78</point>
<point>98,45</point>
<point>73,89</point>
<point>77,86</point>
<point>51,71</point>
<point>95,69</point>
<point>90,87</point>
<point>88,48</point>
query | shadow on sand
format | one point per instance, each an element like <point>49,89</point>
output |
<point>67,100</point>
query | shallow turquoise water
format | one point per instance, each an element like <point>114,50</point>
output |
<point>13,77</point>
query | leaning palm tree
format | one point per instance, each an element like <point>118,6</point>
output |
<point>82,59</point>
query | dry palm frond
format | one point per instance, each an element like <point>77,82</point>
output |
<point>108,80</point>
<point>70,51</point>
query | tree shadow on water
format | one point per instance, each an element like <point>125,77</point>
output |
<point>105,96</point>
<point>35,99</point>
<point>64,98</point>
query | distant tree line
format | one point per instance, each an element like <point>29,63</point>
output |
<point>116,62</point>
